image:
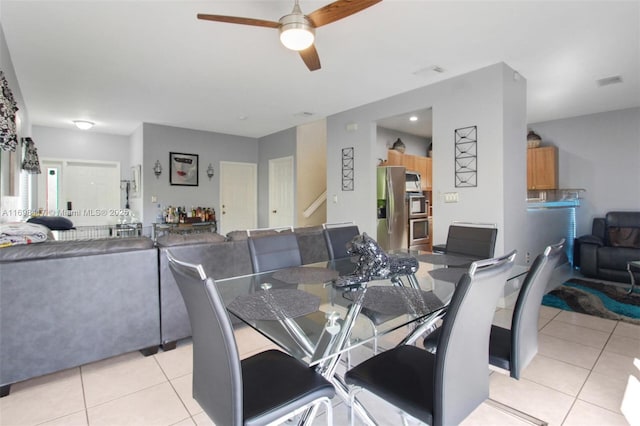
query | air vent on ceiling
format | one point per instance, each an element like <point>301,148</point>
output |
<point>609,80</point>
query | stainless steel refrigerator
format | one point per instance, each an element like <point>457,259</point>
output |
<point>392,208</point>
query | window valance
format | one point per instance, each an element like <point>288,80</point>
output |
<point>8,109</point>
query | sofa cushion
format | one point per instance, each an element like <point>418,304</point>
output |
<point>172,240</point>
<point>616,257</point>
<point>624,237</point>
<point>55,223</point>
<point>59,249</point>
<point>237,236</point>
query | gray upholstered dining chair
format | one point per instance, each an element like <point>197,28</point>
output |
<point>445,387</point>
<point>264,388</point>
<point>337,236</point>
<point>469,240</point>
<point>271,252</point>
<point>513,349</point>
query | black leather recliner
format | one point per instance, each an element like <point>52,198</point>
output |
<point>614,240</point>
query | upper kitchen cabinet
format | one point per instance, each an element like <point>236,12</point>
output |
<point>423,166</point>
<point>542,168</point>
<point>416,163</point>
<point>395,158</point>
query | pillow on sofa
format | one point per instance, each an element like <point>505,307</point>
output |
<point>55,223</point>
<point>624,237</point>
<point>170,240</point>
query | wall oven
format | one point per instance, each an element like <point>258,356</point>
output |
<point>419,233</point>
<point>417,205</point>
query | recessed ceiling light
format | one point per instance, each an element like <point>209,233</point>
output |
<point>83,124</point>
<point>242,117</point>
<point>609,80</point>
<point>413,118</point>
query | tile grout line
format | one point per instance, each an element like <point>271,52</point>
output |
<point>84,395</point>
<point>577,397</point>
<point>174,390</point>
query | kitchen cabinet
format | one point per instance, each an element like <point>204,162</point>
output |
<point>542,168</point>
<point>395,158</point>
<point>423,166</point>
<point>416,163</point>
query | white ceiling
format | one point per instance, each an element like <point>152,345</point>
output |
<point>121,63</point>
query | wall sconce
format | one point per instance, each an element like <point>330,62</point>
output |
<point>210,171</point>
<point>157,169</point>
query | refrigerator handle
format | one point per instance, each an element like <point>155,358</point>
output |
<point>391,202</point>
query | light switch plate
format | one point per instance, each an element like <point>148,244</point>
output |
<point>451,197</point>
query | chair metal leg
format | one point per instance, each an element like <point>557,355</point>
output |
<point>516,413</point>
<point>329,408</point>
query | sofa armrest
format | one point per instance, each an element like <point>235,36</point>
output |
<point>591,239</point>
<point>589,259</point>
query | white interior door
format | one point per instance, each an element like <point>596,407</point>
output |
<point>281,192</point>
<point>238,197</point>
<point>88,192</point>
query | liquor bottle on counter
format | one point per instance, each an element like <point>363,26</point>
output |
<point>160,215</point>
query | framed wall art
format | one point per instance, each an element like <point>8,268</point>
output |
<point>183,169</point>
<point>466,157</point>
<point>347,169</point>
<point>136,182</point>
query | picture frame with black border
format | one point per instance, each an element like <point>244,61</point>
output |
<point>183,169</point>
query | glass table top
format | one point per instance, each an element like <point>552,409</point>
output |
<point>302,312</point>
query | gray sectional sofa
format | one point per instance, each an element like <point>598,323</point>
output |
<point>64,304</point>
<point>68,303</point>
<point>221,258</point>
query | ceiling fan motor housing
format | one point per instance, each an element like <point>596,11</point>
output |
<point>296,31</point>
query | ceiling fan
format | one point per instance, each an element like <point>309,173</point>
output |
<point>297,30</point>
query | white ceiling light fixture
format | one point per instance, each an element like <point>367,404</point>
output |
<point>296,31</point>
<point>413,118</point>
<point>83,124</point>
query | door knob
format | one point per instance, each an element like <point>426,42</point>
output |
<point>274,211</point>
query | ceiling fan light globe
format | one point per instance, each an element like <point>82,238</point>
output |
<point>296,36</point>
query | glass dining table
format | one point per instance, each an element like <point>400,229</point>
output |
<point>305,311</point>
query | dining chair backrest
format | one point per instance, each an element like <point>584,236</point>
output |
<point>337,238</point>
<point>215,354</point>
<point>524,324</point>
<point>461,366</point>
<point>271,252</point>
<point>474,241</point>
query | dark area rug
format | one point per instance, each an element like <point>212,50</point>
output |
<point>596,298</point>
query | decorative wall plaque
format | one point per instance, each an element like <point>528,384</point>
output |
<point>347,169</point>
<point>466,157</point>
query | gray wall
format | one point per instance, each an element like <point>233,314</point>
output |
<point>276,145</point>
<point>600,153</point>
<point>9,184</point>
<point>414,145</point>
<point>211,147</point>
<point>136,150</point>
<point>77,144</point>
<point>493,99</point>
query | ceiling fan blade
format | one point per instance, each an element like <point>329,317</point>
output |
<point>238,20</point>
<point>337,10</point>
<point>310,58</point>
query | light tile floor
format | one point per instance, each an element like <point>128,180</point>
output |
<point>587,372</point>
